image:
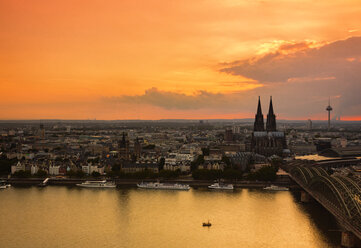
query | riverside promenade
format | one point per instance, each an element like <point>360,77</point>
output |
<point>132,182</point>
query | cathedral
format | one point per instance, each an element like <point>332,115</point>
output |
<point>267,141</point>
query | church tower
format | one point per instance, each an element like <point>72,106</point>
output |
<point>271,119</point>
<point>124,148</point>
<point>258,122</point>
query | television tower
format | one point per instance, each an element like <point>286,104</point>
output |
<point>329,109</point>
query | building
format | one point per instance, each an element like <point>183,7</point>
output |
<point>267,141</point>
<point>42,131</point>
<point>236,129</point>
<point>309,124</point>
<point>90,168</point>
<point>322,144</point>
<point>124,148</point>
<point>228,135</point>
<point>34,169</point>
<point>137,148</point>
<point>18,167</point>
<point>54,170</point>
<point>344,152</point>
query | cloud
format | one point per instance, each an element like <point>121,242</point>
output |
<point>179,101</point>
<point>333,69</point>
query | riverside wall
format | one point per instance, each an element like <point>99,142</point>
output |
<point>132,182</point>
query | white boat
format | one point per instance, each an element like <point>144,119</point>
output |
<point>97,184</point>
<point>276,188</point>
<point>4,185</point>
<point>221,186</point>
<point>158,185</point>
<point>44,183</point>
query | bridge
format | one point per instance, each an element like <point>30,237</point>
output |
<point>340,195</point>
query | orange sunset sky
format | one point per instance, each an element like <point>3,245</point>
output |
<point>196,59</point>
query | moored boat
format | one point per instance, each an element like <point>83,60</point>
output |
<point>221,186</point>
<point>96,184</point>
<point>276,188</point>
<point>4,185</point>
<point>158,185</point>
<point>44,183</point>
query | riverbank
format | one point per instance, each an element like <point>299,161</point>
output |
<point>132,182</point>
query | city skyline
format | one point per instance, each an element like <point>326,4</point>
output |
<point>189,60</point>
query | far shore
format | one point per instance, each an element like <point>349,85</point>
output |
<point>133,182</point>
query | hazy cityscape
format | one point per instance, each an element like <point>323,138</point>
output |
<point>237,153</point>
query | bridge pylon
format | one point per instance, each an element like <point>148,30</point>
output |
<point>348,239</point>
<point>305,197</point>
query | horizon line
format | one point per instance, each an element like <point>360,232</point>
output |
<point>175,119</point>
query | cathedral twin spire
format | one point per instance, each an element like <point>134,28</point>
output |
<point>258,123</point>
<point>271,118</point>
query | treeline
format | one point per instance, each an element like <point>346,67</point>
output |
<point>266,173</point>
<point>5,165</point>
<point>27,174</point>
<point>204,174</point>
<point>145,174</point>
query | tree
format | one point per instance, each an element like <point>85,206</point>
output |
<point>80,174</point>
<point>226,160</point>
<point>169,173</point>
<point>276,162</point>
<point>76,174</point>
<point>266,173</point>
<point>205,151</point>
<point>116,167</point>
<point>206,174</point>
<point>161,164</point>
<point>95,174</point>
<point>5,165</point>
<point>22,174</point>
<point>232,174</point>
<point>41,173</point>
<point>198,161</point>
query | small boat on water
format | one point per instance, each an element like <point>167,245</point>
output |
<point>221,186</point>
<point>4,185</point>
<point>276,188</point>
<point>207,224</point>
<point>96,184</point>
<point>158,185</point>
<point>44,183</point>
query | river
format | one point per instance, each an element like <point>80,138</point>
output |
<point>59,216</point>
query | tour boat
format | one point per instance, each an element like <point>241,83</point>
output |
<point>158,185</point>
<point>276,188</point>
<point>97,184</point>
<point>4,185</point>
<point>221,186</point>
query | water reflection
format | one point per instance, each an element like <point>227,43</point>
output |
<point>128,217</point>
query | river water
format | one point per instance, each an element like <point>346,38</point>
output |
<point>58,216</point>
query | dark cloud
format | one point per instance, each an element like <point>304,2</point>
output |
<point>179,101</point>
<point>307,76</point>
<point>300,79</point>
